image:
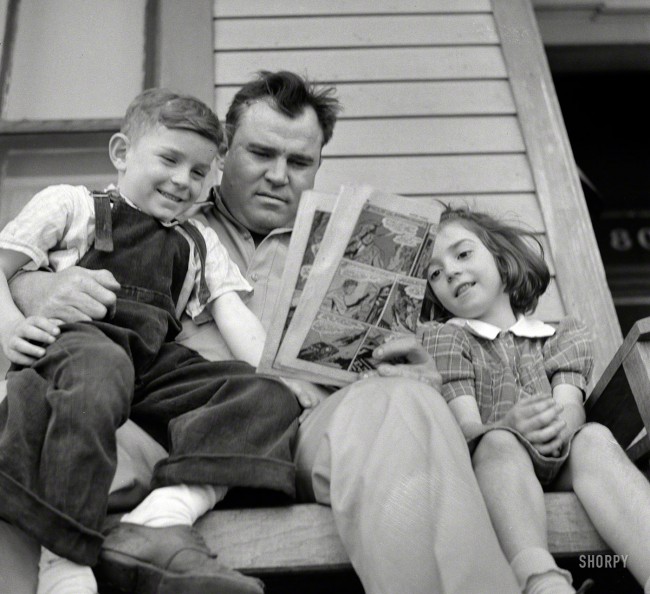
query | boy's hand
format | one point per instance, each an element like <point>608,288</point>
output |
<point>538,419</point>
<point>19,346</point>
<point>309,395</point>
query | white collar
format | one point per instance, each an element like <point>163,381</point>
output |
<point>524,327</point>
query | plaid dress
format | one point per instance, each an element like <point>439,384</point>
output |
<point>500,367</point>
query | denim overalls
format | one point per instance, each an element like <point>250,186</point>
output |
<point>221,424</point>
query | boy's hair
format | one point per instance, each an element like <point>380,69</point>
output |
<point>522,267</point>
<point>155,107</point>
<point>289,94</point>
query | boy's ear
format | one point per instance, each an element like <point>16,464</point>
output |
<point>118,146</point>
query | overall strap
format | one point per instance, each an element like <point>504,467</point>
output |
<point>199,242</point>
<point>103,220</point>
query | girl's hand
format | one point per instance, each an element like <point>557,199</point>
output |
<point>405,357</point>
<point>538,419</point>
<point>19,345</point>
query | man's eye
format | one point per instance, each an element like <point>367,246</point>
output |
<point>259,153</point>
<point>300,164</point>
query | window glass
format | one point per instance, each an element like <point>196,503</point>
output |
<point>59,44</point>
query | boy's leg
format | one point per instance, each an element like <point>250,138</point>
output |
<point>389,458</point>
<point>515,501</point>
<point>57,441</point>
<point>598,465</point>
<point>226,427</point>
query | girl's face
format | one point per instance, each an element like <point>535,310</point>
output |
<point>464,277</point>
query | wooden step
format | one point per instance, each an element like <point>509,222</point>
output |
<point>304,537</point>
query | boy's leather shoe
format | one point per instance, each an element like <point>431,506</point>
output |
<point>170,560</point>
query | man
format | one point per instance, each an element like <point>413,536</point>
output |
<point>385,452</point>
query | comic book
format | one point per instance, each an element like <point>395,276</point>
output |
<point>355,278</point>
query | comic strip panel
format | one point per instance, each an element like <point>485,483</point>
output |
<point>358,292</point>
<point>332,341</point>
<point>402,311</point>
<point>386,240</point>
<point>374,338</point>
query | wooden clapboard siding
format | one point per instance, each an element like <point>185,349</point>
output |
<point>447,174</point>
<point>354,65</point>
<point>410,98</point>
<point>442,98</point>
<point>350,31</point>
<point>254,8</point>
<point>426,136</point>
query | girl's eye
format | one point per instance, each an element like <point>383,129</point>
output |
<point>433,274</point>
<point>464,254</point>
<point>168,159</point>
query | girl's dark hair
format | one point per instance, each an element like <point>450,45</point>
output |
<point>289,94</point>
<point>518,254</point>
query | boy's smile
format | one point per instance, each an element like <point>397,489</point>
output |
<point>162,172</point>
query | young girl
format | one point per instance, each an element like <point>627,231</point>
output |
<point>516,387</point>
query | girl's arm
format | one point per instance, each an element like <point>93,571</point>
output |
<point>468,417</point>
<point>569,397</point>
<point>17,333</point>
<point>240,328</point>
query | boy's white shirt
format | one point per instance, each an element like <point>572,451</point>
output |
<point>524,327</point>
<point>57,227</point>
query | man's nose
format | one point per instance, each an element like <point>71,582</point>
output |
<point>277,173</point>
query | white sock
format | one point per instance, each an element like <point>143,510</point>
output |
<point>57,575</point>
<point>176,504</point>
<point>537,572</point>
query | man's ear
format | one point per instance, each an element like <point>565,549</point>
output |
<point>118,146</point>
<point>222,151</point>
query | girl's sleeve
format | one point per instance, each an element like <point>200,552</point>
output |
<point>568,356</point>
<point>450,348</point>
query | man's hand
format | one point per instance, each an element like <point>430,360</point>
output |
<point>73,295</point>
<point>538,419</point>
<point>21,345</point>
<point>309,395</point>
<point>406,357</point>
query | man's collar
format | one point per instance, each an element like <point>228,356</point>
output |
<point>524,327</point>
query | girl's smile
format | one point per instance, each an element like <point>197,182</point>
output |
<point>465,278</point>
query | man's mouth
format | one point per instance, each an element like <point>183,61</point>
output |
<point>169,196</point>
<point>272,196</point>
<point>463,288</point>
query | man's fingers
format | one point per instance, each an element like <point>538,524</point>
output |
<point>404,349</point>
<point>105,278</point>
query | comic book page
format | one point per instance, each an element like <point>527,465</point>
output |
<point>366,285</point>
<point>309,228</point>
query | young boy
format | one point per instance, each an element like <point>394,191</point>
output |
<point>73,385</point>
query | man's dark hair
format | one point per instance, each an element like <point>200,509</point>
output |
<point>289,94</point>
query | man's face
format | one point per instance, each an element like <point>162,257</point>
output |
<point>272,159</point>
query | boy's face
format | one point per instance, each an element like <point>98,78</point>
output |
<point>163,171</point>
